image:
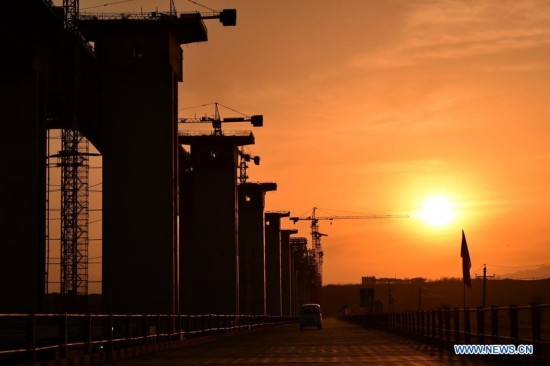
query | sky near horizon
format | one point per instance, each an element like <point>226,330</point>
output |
<point>375,106</point>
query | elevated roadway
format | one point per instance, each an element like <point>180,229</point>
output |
<point>339,343</point>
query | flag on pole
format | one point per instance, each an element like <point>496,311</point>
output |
<point>466,263</point>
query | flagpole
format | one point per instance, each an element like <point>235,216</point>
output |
<point>464,289</point>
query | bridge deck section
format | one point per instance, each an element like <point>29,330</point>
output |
<point>339,343</point>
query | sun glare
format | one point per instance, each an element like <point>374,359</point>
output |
<point>437,211</point>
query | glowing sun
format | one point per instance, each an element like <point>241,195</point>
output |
<point>437,211</point>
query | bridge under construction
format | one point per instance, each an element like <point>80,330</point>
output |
<point>172,211</point>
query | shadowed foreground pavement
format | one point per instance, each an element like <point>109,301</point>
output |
<point>339,343</point>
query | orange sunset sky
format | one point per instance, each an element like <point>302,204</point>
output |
<point>373,107</point>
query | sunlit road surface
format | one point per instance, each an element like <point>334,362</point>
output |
<point>339,343</point>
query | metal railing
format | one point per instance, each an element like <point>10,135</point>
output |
<point>125,16</point>
<point>26,338</point>
<point>230,133</point>
<point>495,325</point>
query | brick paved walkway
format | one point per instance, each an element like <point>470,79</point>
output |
<point>339,343</point>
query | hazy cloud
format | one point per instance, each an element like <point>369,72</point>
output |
<point>460,29</point>
<point>407,166</point>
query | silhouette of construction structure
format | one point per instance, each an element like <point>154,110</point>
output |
<point>36,88</point>
<point>178,236</point>
<point>286,272</point>
<point>304,274</point>
<point>140,65</point>
<point>252,266</point>
<point>273,261</point>
<point>24,88</point>
<point>127,104</point>
<point>209,227</point>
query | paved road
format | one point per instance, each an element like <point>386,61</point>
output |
<point>339,343</point>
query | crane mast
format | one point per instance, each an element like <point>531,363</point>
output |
<point>73,161</point>
<point>245,158</point>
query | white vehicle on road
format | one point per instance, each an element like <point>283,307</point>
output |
<point>310,316</point>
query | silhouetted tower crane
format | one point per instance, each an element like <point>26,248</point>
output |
<point>216,120</point>
<point>316,235</point>
<point>245,158</point>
